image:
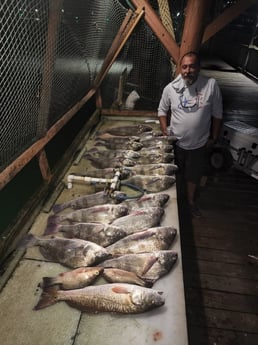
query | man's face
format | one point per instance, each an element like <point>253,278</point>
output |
<point>190,69</point>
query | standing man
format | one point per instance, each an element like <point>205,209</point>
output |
<point>195,104</point>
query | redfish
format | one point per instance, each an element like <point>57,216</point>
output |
<point>119,298</point>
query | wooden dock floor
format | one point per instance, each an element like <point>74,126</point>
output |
<point>221,283</point>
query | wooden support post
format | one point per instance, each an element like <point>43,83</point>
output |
<point>159,29</point>
<point>226,17</point>
<point>55,7</point>
<point>127,27</point>
<point>195,20</point>
<point>44,166</point>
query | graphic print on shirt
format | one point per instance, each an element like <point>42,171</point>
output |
<point>190,104</point>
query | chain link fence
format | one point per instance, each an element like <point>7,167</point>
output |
<point>51,55</point>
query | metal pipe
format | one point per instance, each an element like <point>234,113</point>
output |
<point>111,183</point>
<point>91,180</point>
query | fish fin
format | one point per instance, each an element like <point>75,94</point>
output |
<point>28,241</point>
<point>47,298</point>
<point>149,264</point>
<point>47,282</point>
<point>51,229</point>
<point>120,289</point>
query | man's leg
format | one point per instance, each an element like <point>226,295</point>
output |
<point>191,188</point>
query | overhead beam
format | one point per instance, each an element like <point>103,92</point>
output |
<point>195,19</point>
<point>154,22</point>
<point>226,17</point>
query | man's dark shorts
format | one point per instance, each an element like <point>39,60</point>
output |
<point>191,163</point>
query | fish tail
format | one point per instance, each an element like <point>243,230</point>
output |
<point>29,241</point>
<point>47,282</point>
<point>58,208</point>
<point>47,298</point>
<point>51,229</point>
<point>52,219</point>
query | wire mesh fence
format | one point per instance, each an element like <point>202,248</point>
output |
<point>51,53</point>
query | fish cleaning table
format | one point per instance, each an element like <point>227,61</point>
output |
<point>62,325</point>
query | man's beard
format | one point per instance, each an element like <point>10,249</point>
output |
<point>189,79</point>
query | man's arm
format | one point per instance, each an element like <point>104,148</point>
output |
<point>163,124</point>
<point>215,128</point>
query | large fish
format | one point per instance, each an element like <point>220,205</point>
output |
<point>152,169</point>
<point>147,200</point>
<point>116,138</point>
<point>153,239</point>
<point>115,275</point>
<point>118,162</point>
<point>75,279</point>
<point>162,148</point>
<point>119,298</point>
<point>115,144</point>
<point>148,141</point>
<point>151,266</point>
<point>153,157</point>
<point>86,201</point>
<point>69,252</point>
<point>96,214</point>
<point>102,234</point>
<point>133,130</point>
<point>151,134</point>
<point>139,220</point>
<point>110,154</point>
<point>152,183</point>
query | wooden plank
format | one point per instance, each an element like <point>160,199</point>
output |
<point>222,300</point>
<point>242,247</point>
<point>220,283</point>
<point>224,319</point>
<point>211,254</point>
<point>219,229</point>
<point>211,336</point>
<point>223,269</point>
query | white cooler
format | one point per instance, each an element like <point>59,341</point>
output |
<point>242,141</point>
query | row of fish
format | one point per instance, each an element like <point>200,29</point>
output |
<point>122,241</point>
